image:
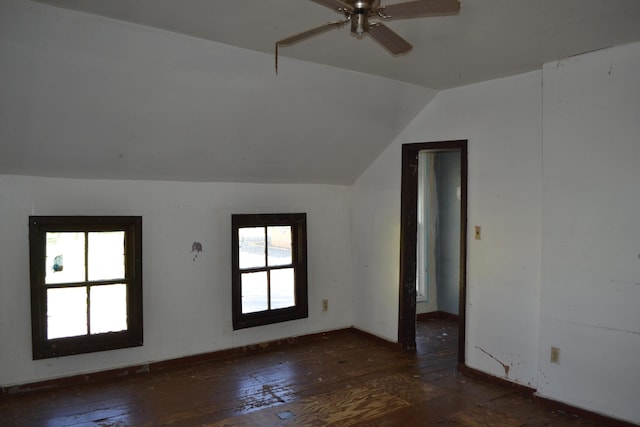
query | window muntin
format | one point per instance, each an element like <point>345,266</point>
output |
<point>86,284</point>
<point>269,269</point>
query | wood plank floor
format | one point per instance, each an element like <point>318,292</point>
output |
<point>346,379</point>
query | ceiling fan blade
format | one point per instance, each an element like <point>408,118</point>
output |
<point>420,8</point>
<point>336,5</point>
<point>389,39</point>
<point>310,33</point>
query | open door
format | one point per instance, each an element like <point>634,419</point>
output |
<point>409,246</point>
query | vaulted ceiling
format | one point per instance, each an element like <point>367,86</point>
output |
<point>186,89</point>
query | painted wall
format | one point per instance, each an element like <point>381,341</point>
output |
<point>449,205</point>
<point>376,245</point>
<point>591,239</point>
<point>187,296</point>
<point>443,288</point>
<point>502,121</point>
<point>88,97</point>
<point>427,268</point>
<point>553,181</point>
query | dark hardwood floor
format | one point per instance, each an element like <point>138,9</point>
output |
<point>344,379</point>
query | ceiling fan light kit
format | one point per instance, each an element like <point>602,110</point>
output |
<point>359,13</point>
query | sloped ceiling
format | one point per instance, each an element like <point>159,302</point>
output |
<point>83,96</point>
<point>191,94</point>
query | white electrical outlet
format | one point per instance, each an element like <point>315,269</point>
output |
<point>325,305</point>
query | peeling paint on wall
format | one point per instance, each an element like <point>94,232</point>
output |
<point>197,248</point>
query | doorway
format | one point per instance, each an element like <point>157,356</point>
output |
<point>415,262</point>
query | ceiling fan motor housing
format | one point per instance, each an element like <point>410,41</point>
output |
<point>360,15</point>
<point>364,4</point>
<point>359,23</point>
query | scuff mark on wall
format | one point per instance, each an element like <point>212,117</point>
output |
<point>543,376</point>
<point>618,282</point>
<point>504,365</point>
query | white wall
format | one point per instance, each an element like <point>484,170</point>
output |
<point>376,245</point>
<point>443,288</point>
<point>83,96</point>
<point>448,245</point>
<point>554,183</point>
<point>502,121</point>
<point>591,237</point>
<point>187,300</point>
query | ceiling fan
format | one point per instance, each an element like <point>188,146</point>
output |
<point>360,12</point>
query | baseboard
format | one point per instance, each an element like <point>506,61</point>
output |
<point>173,363</point>
<point>599,419</point>
<point>474,373</point>
<point>438,315</point>
<point>380,340</point>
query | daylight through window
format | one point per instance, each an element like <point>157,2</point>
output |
<point>86,284</point>
<point>269,268</point>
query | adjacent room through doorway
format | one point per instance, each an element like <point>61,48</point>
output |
<point>433,245</point>
<point>438,251</point>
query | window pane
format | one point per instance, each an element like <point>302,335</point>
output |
<point>66,312</point>
<point>282,288</point>
<point>106,255</point>
<point>252,250</point>
<point>254,292</point>
<point>279,239</point>
<point>108,311</point>
<point>65,258</point>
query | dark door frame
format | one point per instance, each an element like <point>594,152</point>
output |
<point>408,241</point>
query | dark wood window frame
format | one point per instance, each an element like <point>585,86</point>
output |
<point>131,337</point>
<point>298,223</point>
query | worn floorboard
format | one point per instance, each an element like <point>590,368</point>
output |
<point>346,379</point>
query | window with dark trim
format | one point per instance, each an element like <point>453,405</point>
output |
<point>269,263</point>
<point>86,284</point>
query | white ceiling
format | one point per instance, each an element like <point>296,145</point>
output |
<point>84,96</point>
<point>489,39</point>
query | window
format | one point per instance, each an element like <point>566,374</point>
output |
<point>269,265</point>
<point>86,284</point>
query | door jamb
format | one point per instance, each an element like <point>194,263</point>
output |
<point>408,242</point>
